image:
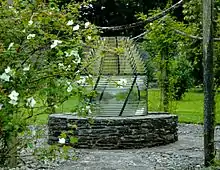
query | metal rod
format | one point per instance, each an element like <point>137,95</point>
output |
<point>126,100</point>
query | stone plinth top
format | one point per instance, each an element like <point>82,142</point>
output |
<point>149,116</point>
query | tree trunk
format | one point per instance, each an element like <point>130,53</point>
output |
<point>166,88</point>
<point>12,155</point>
<point>209,154</point>
<point>165,82</point>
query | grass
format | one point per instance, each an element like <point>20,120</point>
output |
<point>67,106</point>
<point>189,109</point>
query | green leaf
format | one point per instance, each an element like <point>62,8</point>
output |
<point>63,135</point>
<point>73,140</point>
<point>30,145</point>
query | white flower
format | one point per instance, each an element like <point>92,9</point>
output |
<point>75,54</point>
<point>1,105</point>
<point>68,68</point>
<point>26,68</point>
<point>88,108</point>
<point>55,43</point>
<point>81,81</point>
<point>89,37</point>
<point>33,132</point>
<point>61,65</point>
<point>8,70</point>
<point>30,36</point>
<point>102,7</point>
<point>13,102</point>
<point>13,95</point>
<point>70,22</point>
<point>15,11</point>
<point>5,77</point>
<point>10,45</point>
<point>87,24</point>
<point>90,6</point>
<point>124,81</point>
<point>30,102</point>
<point>76,27</point>
<point>69,89</point>
<point>72,53</point>
<point>67,54</point>
<point>62,140</point>
<point>77,60</point>
<point>30,22</point>
<point>121,82</point>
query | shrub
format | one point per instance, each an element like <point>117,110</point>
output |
<point>40,52</point>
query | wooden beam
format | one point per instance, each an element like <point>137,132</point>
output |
<point>209,117</point>
<point>193,36</point>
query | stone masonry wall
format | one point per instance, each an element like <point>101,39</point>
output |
<point>115,132</point>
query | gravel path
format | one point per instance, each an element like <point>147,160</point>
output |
<point>185,154</point>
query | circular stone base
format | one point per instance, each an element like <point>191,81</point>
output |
<point>114,132</point>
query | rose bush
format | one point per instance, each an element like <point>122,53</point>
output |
<point>41,47</point>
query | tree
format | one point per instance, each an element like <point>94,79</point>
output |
<point>119,12</point>
<point>168,55</point>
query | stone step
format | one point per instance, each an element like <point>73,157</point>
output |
<point>130,62</point>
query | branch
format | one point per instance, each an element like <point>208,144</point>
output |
<point>66,75</point>
<point>144,33</point>
<point>140,35</point>
<point>187,35</point>
<point>193,36</point>
<point>136,24</point>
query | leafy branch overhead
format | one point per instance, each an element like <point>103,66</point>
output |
<point>141,23</point>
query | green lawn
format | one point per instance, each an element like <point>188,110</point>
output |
<point>189,109</point>
<point>66,107</point>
